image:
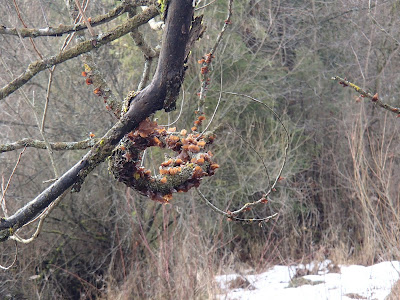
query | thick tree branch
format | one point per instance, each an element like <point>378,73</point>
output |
<point>85,144</point>
<point>40,65</point>
<point>65,29</point>
<point>163,89</point>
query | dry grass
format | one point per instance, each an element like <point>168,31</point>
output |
<point>395,292</point>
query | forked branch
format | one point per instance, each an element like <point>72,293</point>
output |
<point>160,93</point>
<point>64,29</point>
<point>84,47</point>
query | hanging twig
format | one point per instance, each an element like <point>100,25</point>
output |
<point>253,149</point>
<point>285,151</point>
<point>41,218</point>
<point>216,107</point>
<point>14,261</point>
<point>264,198</point>
<point>231,215</point>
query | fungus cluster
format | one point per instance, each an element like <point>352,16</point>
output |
<point>176,174</point>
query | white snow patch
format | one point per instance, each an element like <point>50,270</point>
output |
<point>373,282</point>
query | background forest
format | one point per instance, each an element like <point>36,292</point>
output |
<point>340,197</point>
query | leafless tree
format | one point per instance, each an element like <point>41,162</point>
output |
<point>133,132</point>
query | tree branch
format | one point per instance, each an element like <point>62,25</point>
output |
<point>64,29</point>
<point>148,52</point>
<point>207,59</point>
<point>161,91</point>
<point>374,98</point>
<point>40,65</point>
<point>85,144</point>
<point>93,74</point>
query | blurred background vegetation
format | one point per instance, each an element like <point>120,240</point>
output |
<point>340,196</point>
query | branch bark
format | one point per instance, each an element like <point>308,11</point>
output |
<point>84,47</point>
<point>27,142</point>
<point>64,29</point>
<point>159,93</point>
<point>374,98</point>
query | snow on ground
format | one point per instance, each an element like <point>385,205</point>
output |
<point>330,283</point>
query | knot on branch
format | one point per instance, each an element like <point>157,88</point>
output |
<point>176,174</point>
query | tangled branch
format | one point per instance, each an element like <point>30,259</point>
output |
<point>160,93</point>
<point>176,174</point>
<point>232,215</point>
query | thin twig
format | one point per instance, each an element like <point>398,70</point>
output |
<point>15,259</point>
<point>148,51</point>
<point>253,149</point>
<point>285,151</point>
<point>227,22</point>
<point>180,111</point>
<point>46,104</point>
<point>140,42</point>
<point>23,23</point>
<point>146,73</point>
<point>364,94</point>
<point>216,107</point>
<point>89,27</point>
<point>81,280</point>
<point>232,215</point>
<point>35,113</point>
<point>383,29</point>
<point>206,61</point>
<point>50,81</point>
<point>3,203</point>
<point>205,5</point>
<point>41,218</point>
